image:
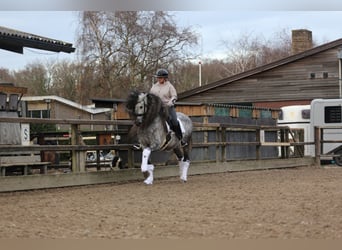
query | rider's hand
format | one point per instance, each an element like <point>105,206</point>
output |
<point>172,102</point>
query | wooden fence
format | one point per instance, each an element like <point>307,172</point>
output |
<point>214,154</point>
<point>335,152</point>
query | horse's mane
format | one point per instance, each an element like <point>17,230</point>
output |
<point>131,101</point>
<point>154,107</point>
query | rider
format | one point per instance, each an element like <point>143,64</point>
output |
<point>168,94</point>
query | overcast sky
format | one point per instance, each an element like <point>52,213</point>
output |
<point>213,27</point>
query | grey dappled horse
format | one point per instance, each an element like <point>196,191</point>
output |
<point>153,133</point>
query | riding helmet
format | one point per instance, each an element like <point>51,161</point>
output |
<point>162,73</point>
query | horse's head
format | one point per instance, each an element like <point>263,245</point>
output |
<point>143,107</point>
<point>137,106</point>
<point>140,108</point>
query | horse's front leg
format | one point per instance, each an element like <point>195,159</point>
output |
<point>147,169</point>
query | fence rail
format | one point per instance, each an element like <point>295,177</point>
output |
<point>221,134</point>
<point>215,143</point>
<point>334,152</point>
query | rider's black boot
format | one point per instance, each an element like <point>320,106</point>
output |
<point>178,131</point>
<point>179,134</point>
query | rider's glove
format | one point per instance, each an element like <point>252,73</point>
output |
<point>173,102</point>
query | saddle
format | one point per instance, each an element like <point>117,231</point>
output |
<point>177,130</point>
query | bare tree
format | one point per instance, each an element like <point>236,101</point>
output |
<point>124,49</point>
<point>65,81</point>
<point>249,51</point>
<point>188,73</point>
<point>246,52</point>
<point>6,76</point>
<point>34,76</point>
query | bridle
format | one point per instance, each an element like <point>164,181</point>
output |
<point>140,108</point>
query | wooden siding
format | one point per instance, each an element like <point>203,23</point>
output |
<point>200,110</point>
<point>192,110</point>
<point>208,110</point>
<point>277,105</point>
<point>62,111</point>
<point>121,113</point>
<point>59,110</point>
<point>9,132</point>
<point>289,82</point>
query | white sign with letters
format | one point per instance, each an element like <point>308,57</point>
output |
<point>25,134</point>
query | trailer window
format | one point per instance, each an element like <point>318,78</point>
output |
<point>332,114</point>
<point>306,114</point>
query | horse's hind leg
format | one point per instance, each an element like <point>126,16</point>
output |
<point>184,163</point>
<point>146,168</point>
<point>183,170</point>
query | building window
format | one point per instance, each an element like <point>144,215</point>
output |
<point>37,114</point>
<point>312,75</point>
<point>325,75</point>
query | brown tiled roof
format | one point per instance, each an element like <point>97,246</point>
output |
<point>14,40</point>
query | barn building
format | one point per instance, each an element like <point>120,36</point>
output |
<point>10,94</point>
<point>56,107</point>
<point>307,74</point>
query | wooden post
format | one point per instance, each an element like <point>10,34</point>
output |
<point>73,152</point>
<point>287,139</point>
<point>130,158</point>
<point>284,137</point>
<point>258,146</point>
<point>205,137</point>
<point>224,147</point>
<point>218,138</point>
<point>78,157</point>
<point>317,146</point>
<point>98,162</point>
<point>82,155</point>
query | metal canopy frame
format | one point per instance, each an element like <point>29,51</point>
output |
<point>15,41</point>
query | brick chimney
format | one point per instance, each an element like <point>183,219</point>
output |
<point>301,40</point>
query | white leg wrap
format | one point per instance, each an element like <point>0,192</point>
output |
<point>145,156</point>
<point>145,167</point>
<point>149,179</point>
<point>183,170</point>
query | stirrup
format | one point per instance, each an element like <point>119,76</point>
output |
<point>183,143</point>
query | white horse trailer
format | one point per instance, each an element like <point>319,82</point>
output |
<point>325,113</point>
<point>296,117</point>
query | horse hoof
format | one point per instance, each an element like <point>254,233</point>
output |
<point>148,182</point>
